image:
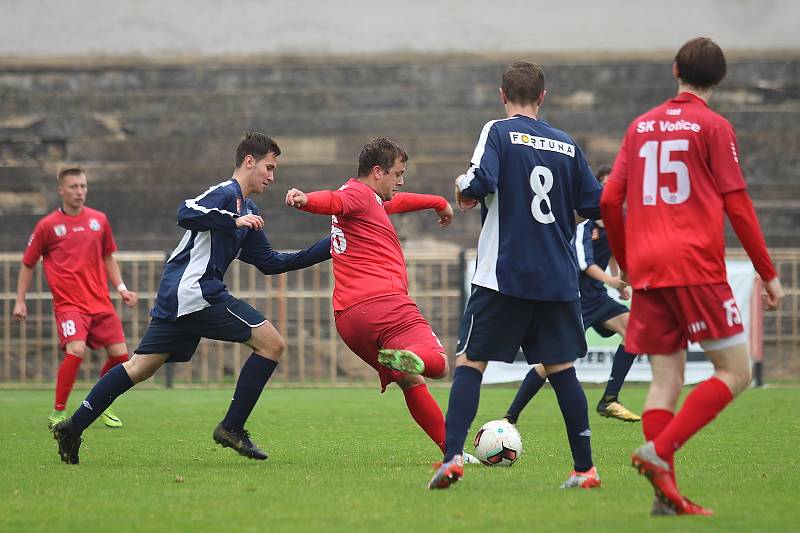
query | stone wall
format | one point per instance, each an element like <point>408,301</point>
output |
<point>152,135</point>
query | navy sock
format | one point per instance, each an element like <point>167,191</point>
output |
<point>465,393</point>
<point>115,382</point>
<point>619,370</point>
<point>527,390</point>
<point>575,411</point>
<point>255,373</point>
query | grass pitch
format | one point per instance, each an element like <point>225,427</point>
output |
<point>353,460</point>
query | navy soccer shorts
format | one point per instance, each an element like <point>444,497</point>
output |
<point>232,320</point>
<point>598,310</point>
<point>495,326</point>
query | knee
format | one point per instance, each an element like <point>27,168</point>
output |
<point>142,368</point>
<point>445,369</point>
<point>268,345</point>
<point>741,379</point>
<point>77,352</point>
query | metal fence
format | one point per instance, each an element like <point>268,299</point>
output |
<point>298,304</point>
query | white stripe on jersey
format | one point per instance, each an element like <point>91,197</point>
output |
<point>192,203</point>
<point>190,296</point>
<point>477,155</point>
<point>488,244</point>
<point>579,231</point>
<point>181,245</point>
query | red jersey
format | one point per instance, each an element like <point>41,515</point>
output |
<point>675,164</point>
<point>367,258</point>
<point>73,251</point>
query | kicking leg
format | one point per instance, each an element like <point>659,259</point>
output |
<point>117,354</point>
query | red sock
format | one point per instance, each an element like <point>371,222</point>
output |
<point>66,379</point>
<point>653,423</point>
<point>111,362</point>
<point>426,412</point>
<point>434,360</point>
<point>702,406</point>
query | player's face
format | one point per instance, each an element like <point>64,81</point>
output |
<point>263,172</point>
<point>391,181</point>
<point>73,191</point>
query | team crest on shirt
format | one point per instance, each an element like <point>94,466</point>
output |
<point>60,230</point>
<point>94,225</point>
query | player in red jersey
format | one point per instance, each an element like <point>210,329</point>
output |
<point>375,316</point>
<point>678,175</point>
<point>77,248</point>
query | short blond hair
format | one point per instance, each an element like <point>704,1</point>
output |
<point>69,171</point>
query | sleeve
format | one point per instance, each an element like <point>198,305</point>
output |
<point>611,205</point>
<point>37,245</point>
<point>583,244</point>
<point>484,171</point>
<point>406,202</point>
<point>724,155</point>
<point>739,209</point>
<point>323,203</point>
<point>587,193</point>
<point>355,200</point>
<point>257,251</point>
<point>209,211</point>
<point>109,245</point>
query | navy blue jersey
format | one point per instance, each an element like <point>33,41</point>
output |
<point>591,252</point>
<point>530,178</point>
<point>192,278</point>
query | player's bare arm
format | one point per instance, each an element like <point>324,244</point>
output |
<point>595,272</point>
<point>445,216</point>
<point>463,202</point>
<point>129,298</point>
<point>23,284</point>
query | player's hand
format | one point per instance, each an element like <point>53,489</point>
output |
<point>626,293</point>
<point>20,311</point>
<point>618,283</point>
<point>296,198</point>
<point>773,295</point>
<point>445,216</point>
<point>462,202</point>
<point>129,298</point>
<point>250,221</point>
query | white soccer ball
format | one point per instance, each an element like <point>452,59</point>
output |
<point>498,443</point>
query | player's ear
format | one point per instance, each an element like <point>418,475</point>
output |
<point>503,97</point>
<point>541,98</point>
<point>675,73</point>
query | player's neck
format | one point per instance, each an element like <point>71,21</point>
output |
<point>246,190</point>
<point>71,211</point>
<point>703,94</point>
<point>524,110</point>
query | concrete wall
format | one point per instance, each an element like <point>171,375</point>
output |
<point>151,28</point>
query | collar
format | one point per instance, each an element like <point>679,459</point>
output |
<point>689,97</point>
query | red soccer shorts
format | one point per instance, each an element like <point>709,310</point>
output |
<point>386,322</point>
<point>98,330</point>
<point>664,320</point>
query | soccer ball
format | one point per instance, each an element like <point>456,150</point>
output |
<point>498,443</point>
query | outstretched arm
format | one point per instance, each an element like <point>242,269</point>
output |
<point>407,202</point>
<point>319,202</point>
<point>257,251</point>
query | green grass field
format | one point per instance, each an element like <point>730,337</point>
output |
<point>351,459</point>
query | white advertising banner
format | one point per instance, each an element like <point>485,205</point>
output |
<point>596,366</point>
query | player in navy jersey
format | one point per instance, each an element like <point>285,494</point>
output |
<point>529,178</point>
<point>221,224</point>
<point>600,311</point>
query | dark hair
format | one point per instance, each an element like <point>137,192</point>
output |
<point>69,171</point>
<point>701,63</point>
<point>602,171</point>
<point>256,144</point>
<point>382,152</point>
<point>523,82</point>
